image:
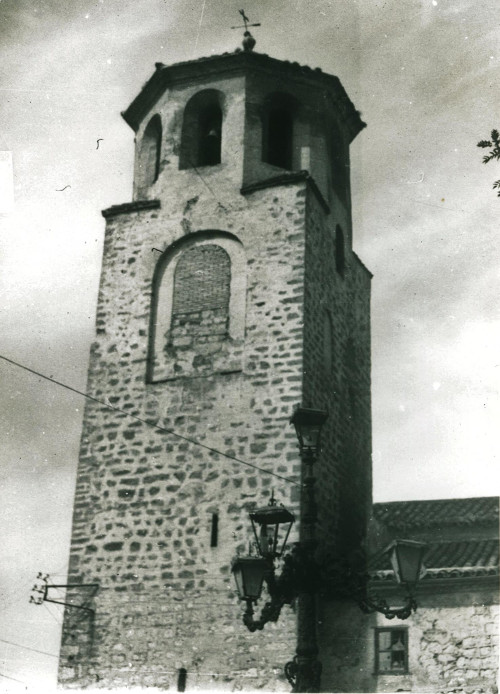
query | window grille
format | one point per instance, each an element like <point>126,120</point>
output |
<point>391,650</point>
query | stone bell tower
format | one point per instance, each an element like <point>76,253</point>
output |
<point>229,293</point>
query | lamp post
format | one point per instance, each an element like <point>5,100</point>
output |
<point>301,574</point>
<point>308,424</point>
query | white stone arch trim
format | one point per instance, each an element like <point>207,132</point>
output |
<point>163,285</point>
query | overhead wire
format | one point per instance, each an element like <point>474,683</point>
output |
<point>56,620</point>
<point>28,648</point>
<point>13,678</point>
<point>194,673</point>
<point>147,423</point>
<point>206,184</point>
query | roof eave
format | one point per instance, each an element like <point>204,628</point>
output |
<point>236,61</point>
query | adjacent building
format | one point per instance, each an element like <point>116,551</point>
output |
<point>450,644</point>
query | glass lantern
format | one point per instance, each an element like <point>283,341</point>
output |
<point>249,575</point>
<point>406,557</point>
<point>308,424</point>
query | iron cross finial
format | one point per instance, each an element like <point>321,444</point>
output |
<point>248,40</point>
<point>245,18</point>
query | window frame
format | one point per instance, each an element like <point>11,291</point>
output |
<point>148,166</point>
<point>405,632</point>
<point>203,108</point>
<point>339,163</point>
<point>162,287</point>
<point>275,107</point>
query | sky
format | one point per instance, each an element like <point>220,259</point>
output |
<point>425,218</point>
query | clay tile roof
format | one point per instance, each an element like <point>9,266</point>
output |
<point>449,556</point>
<point>413,515</point>
<point>461,554</point>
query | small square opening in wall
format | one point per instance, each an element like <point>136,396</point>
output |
<point>391,650</point>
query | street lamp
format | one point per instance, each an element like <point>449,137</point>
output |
<point>300,576</point>
<point>270,518</point>
<point>249,575</point>
<point>406,557</point>
<point>305,670</point>
<point>251,572</point>
<point>308,424</point>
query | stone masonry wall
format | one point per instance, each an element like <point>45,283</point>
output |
<point>338,381</point>
<point>145,498</point>
<point>454,649</point>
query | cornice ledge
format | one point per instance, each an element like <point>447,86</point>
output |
<point>387,576</point>
<point>126,207</point>
<point>286,179</point>
<point>361,263</point>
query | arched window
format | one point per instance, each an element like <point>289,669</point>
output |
<point>339,251</point>
<point>202,130</point>
<point>150,153</point>
<point>339,163</point>
<point>278,131</point>
<point>200,306</point>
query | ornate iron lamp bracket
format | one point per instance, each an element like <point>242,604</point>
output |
<point>351,583</point>
<point>282,590</point>
<point>369,605</point>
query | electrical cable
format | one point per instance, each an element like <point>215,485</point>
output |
<point>194,673</point>
<point>182,603</point>
<point>149,424</point>
<point>56,620</point>
<point>28,648</point>
<point>211,191</point>
<point>13,678</point>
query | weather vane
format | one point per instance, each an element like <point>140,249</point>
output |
<point>248,40</point>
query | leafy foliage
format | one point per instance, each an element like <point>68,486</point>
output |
<point>494,143</point>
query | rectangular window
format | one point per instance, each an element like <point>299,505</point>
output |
<point>391,650</point>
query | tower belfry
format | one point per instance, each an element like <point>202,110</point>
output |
<point>229,293</point>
